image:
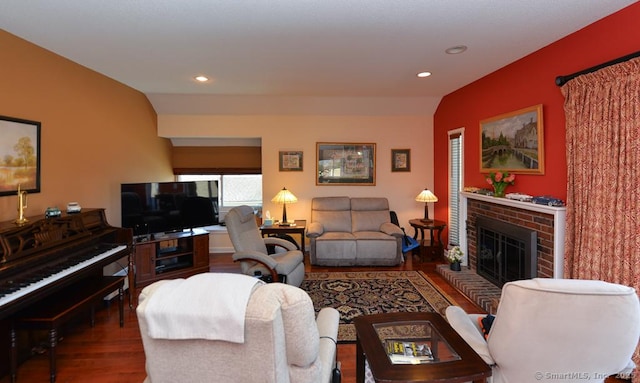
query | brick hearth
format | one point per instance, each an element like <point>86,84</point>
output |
<point>484,293</point>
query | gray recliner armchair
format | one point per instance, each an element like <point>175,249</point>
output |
<point>250,247</point>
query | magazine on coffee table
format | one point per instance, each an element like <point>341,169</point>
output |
<point>402,351</point>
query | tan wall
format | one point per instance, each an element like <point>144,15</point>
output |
<point>96,132</point>
<point>300,133</point>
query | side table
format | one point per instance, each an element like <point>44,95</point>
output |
<point>298,227</point>
<point>436,247</point>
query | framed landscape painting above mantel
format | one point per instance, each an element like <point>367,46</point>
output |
<point>19,156</point>
<point>513,142</point>
<point>345,164</point>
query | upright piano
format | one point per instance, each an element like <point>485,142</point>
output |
<point>45,255</point>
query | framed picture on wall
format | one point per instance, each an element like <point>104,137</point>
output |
<point>513,142</point>
<point>400,160</point>
<point>290,161</point>
<point>345,164</point>
<point>19,156</point>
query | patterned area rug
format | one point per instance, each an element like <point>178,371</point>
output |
<point>373,292</point>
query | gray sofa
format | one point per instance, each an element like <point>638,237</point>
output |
<point>353,232</point>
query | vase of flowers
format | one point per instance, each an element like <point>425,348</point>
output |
<point>500,180</point>
<point>454,256</point>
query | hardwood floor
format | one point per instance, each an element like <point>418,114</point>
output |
<point>107,353</point>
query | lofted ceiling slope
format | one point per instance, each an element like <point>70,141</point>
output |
<point>296,56</point>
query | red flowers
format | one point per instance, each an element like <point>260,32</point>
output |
<point>499,180</point>
<point>499,177</point>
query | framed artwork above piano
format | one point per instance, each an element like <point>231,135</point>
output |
<point>21,157</point>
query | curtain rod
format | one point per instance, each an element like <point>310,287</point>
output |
<point>561,80</point>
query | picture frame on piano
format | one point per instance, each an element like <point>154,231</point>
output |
<point>19,156</point>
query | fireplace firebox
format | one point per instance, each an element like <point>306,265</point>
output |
<point>505,252</point>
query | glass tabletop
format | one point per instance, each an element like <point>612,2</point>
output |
<point>414,342</point>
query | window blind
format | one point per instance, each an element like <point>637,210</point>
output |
<point>455,185</point>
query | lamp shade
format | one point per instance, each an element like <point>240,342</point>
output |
<point>426,196</point>
<point>284,197</point>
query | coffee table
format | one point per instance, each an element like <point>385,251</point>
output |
<point>453,359</point>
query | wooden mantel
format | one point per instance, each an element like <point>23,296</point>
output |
<point>559,219</point>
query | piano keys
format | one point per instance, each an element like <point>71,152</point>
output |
<point>12,290</point>
<point>48,254</point>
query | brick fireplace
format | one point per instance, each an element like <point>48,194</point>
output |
<point>547,221</point>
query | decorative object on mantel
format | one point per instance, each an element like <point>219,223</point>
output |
<point>519,197</point>
<point>426,196</point>
<point>484,192</point>
<point>284,197</point>
<point>454,256</point>
<point>500,180</point>
<point>548,200</point>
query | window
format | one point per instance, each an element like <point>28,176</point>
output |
<point>456,154</point>
<point>235,189</point>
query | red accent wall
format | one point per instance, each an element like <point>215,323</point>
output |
<point>527,82</point>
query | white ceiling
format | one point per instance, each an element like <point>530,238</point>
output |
<point>332,50</point>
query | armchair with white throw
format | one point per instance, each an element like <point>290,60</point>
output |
<point>560,330</point>
<point>251,249</point>
<point>217,327</point>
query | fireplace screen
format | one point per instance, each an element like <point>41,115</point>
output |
<point>505,252</point>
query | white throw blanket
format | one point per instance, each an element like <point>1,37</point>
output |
<point>205,306</point>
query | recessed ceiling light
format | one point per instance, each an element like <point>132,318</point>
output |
<point>456,50</point>
<point>424,74</point>
<point>201,78</point>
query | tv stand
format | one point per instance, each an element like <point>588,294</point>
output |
<point>170,255</point>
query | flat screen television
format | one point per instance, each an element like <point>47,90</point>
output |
<point>164,207</point>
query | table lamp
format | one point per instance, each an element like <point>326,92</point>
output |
<point>284,197</point>
<point>426,196</point>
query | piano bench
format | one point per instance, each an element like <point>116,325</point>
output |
<point>59,308</point>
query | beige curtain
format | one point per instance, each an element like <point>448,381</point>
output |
<point>603,169</point>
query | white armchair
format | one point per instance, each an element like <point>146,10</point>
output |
<point>283,340</point>
<point>560,330</point>
<point>251,249</point>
